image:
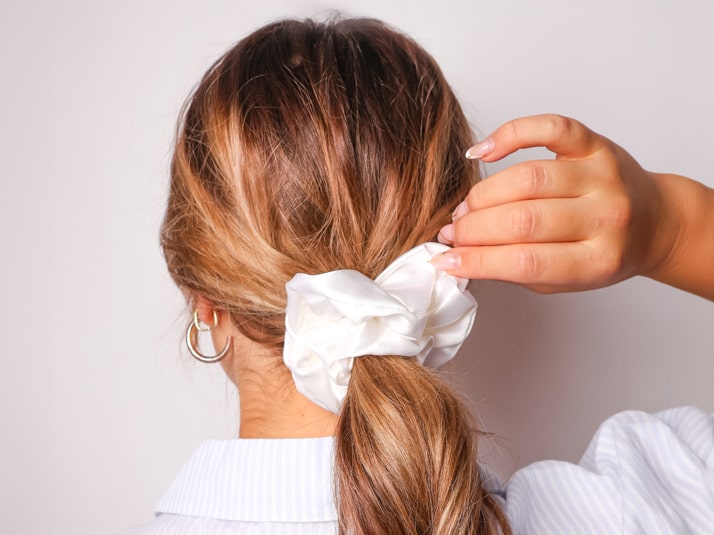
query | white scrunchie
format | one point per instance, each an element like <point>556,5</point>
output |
<point>411,309</point>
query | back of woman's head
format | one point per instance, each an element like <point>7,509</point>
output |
<point>311,147</point>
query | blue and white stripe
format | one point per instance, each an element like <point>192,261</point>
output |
<point>641,474</point>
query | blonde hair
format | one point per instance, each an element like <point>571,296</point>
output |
<point>310,147</point>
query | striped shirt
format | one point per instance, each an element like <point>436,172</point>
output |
<point>641,474</point>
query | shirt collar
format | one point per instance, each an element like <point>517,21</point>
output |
<point>256,480</point>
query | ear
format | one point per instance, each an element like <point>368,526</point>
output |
<point>205,310</point>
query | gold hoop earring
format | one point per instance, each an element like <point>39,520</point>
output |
<point>191,339</point>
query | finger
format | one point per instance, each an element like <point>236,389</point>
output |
<point>539,179</point>
<point>534,221</point>
<point>561,135</point>
<point>570,265</point>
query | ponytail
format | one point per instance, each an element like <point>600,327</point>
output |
<point>406,456</point>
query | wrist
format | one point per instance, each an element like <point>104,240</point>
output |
<point>667,223</point>
<point>683,251</point>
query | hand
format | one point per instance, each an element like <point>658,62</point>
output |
<point>590,218</point>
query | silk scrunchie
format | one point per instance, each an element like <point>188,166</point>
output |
<point>411,309</point>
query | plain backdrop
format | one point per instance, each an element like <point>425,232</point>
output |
<point>100,403</point>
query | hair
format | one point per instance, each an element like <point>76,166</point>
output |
<point>311,147</point>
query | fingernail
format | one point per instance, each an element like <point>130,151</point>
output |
<point>446,261</point>
<point>481,149</point>
<point>461,210</point>
<point>446,234</point>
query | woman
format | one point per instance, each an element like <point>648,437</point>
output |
<point>313,164</point>
<point>309,148</point>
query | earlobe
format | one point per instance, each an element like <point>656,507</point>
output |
<point>205,310</point>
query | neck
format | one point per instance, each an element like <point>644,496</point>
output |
<point>270,410</point>
<point>270,405</point>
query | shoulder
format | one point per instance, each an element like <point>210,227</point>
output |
<point>250,486</point>
<point>642,473</point>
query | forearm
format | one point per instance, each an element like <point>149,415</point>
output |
<point>688,261</point>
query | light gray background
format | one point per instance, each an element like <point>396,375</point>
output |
<point>101,404</point>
